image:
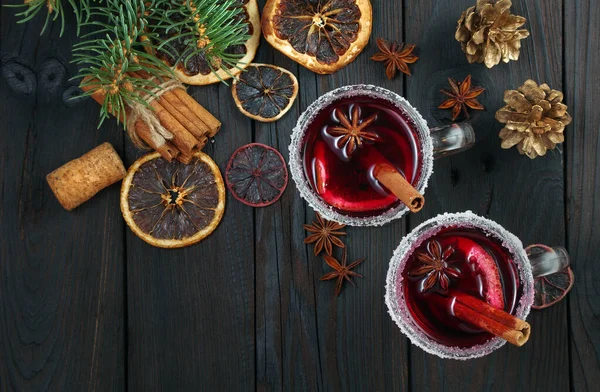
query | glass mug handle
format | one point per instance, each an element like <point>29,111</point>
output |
<point>451,139</point>
<point>547,260</point>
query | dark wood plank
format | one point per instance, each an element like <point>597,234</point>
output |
<point>191,310</point>
<point>287,341</point>
<point>582,54</point>
<point>362,348</point>
<point>524,196</point>
<point>305,338</point>
<point>61,273</point>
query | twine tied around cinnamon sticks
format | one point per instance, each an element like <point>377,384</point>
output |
<point>172,122</point>
<point>156,131</point>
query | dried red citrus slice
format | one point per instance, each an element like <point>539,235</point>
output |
<point>551,288</point>
<point>256,175</point>
<point>265,92</point>
<point>198,70</point>
<point>171,204</point>
<point>323,36</point>
<point>487,268</point>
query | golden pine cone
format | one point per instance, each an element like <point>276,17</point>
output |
<point>488,32</point>
<point>535,119</point>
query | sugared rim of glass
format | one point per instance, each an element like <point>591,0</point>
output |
<point>297,145</point>
<point>394,295</point>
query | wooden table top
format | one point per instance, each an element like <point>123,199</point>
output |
<point>85,305</point>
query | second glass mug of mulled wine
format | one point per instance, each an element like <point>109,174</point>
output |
<point>460,285</point>
<point>362,155</point>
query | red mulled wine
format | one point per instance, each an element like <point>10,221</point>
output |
<point>345,141</point>
<point>458,260</point>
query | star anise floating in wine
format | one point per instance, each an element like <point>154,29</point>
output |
<point>435,266</point>
<point>351,130</point>
<point>325,235</point>
<point>341,271</point>
<point>396,56</point>
<point>462,97</point>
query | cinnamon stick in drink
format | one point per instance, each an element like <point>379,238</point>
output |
<point>495,321</point>
<point>478,313</point>
<point>393,180</point>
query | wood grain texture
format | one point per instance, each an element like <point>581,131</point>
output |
<point>245,309</point>
<point>287,340</point>
<point>524,196</point>
<point>306,339</point>
<point>362,347</point>
<point>61,273</point>
<point>191,310</point>
<point>582,92</point>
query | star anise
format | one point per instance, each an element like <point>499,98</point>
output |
<point>341,271</point>
<point>461,97</point>
<point>325,235</point>
<point>352,130</point>
<point>436,266</point>
<point>396,56</point>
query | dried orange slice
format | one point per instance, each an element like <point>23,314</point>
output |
<point>265,92</point>
<point>323,36</point>
<point>171,204</point>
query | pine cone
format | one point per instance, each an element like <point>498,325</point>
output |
<point>488,32</point>
<point>535,119</point>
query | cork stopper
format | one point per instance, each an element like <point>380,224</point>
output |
<point>79,180</point>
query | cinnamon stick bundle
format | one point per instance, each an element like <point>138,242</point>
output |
<point>188,124</point>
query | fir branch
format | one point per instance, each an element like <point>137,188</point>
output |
<point>125,36</point>
<point>55,10</point>
<point>202,27</point>
<point>112,51</point>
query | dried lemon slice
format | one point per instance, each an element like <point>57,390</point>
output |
<point>171,204</point>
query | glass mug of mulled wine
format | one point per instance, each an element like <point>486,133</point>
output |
<point>362,155</point>
<point>460,286</point>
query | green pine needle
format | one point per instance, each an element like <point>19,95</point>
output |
<point>204,27</point>
<point>112,51</point>
<point>54,10</point>
<point>122,33</point>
